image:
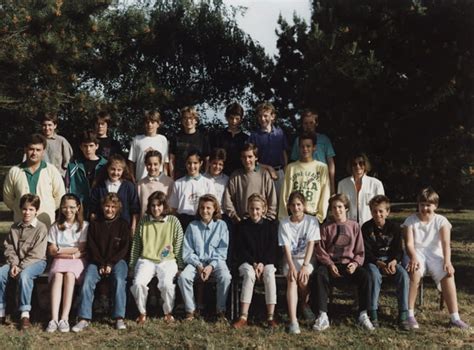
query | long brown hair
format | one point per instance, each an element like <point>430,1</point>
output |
<point>61,222</point>
<point>103,174</point>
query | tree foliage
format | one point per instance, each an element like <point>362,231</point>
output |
<point>393,78</point>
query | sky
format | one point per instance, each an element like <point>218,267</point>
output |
<point>260,19</point>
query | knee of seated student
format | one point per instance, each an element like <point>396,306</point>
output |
<point>188,274</point>
<point>269,271</point>
<point>374,272</point>
<point>246,271</point>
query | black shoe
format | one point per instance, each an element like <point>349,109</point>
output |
<point>375,323</point>
<point>404,325</point>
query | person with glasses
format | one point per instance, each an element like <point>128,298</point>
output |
<point>359,187</point>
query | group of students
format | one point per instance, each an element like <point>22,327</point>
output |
<point>231,223</point>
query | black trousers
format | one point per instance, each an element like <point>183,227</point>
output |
<point>323,279</point>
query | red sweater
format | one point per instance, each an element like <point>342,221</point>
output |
<point>340,244</point>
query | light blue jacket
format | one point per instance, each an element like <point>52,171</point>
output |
<point>205,244</point>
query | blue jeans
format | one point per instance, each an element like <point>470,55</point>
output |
<point>402,283</point>
<point>118,278</point>
<point>25,283</point>
<point>186,285</point>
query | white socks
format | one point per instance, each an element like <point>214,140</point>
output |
<point>25,314</point>
<point>455,316</point>
<point>411,313</point>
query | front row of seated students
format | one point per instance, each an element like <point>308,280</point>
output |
<point>157,246</point>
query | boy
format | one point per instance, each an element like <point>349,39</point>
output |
<point>189,139</point>
<point>25,254</point>
<point>428,238</point>
<point>271,141</point>
<point>324,151</point>
<point>246,181</point>
<point>383,254</point>
<point>150,141</point>
<point>34,176</point>
<point>82,171</point>
<point>231,139</point>
<point>58,149</point>
<point>217,160</point>
<point>340,254</point>
<point>308,176</point>
<point>107,145</point>
<point>155,181</point>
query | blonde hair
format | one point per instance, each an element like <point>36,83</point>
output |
<point>217,208</point>
<point>257,197</point>
<point>189,110</point>
<point>428,195</point>
<point>265,106</point>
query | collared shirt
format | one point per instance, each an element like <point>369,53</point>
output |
<point>271,146</point>
<point>33,223</point>
<point>32,178</point>
<point>112,187</point>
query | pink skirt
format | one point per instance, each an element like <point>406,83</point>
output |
<point>76,266</point>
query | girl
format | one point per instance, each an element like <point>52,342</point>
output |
<point>67,243</point>
<point>256,247</point>
<point>359,187</point>
<point>205,252</point>
<point>187,190</point>
<point>116,179</point>
<point>340,253</point>
<point>297,234</point>
<point>156,251</point>
<point>107,247</point>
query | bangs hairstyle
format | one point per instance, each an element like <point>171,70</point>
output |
<point>31,199</point>
<point>307,136</point>
<point>103,173</point>
<point>79,215</point>
<point>153,153</point>
<point>194,152</point>
<point>103,116</point>
<point>368,166</point>
<point>152,116</point>
<point>265,106</point>
<point>217,208</point>
<point>428,195</point>
<point>36,139</point>
<point>191,110</point>
<point>340,197</point>
<point>257,197</point>
<point>89,136</point>
<point>234,109</point>
<point>50,117</point>
<point>379,199</point>
<point>218,154</point>
<point>160,197</point>
<point>114,199</point>
<point>293,196</point>
<point>249,147</point>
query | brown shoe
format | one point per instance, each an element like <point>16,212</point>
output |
<point>189,316</point>
<point>169,318</point>
<point>240,323</point>
<point>25,323</point>
<point>141,319</point>
<point>272,324</point>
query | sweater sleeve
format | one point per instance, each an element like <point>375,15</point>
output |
<point>93,245</point>
<point>94,201</point>
<point>189,255</point>
<point>367,229</point>
<point>358,246</point>
<point>9,189</point>
<point>38,250</point>
<point>229,207</point>
<point>10,253</point>
<point>271,251</point>
<point>270,194</point>
<point>137,244</point>
<point>178,243</point>
<point>321,248</point>
<point>220,252</point>
<point>58,186</point>
<point>243,243</point>
<point>120,250</point>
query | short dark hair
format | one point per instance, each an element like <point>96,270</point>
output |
<point>49,116</point>
<point>249,147</point>
<point>161,198</point>
<point>234,109</point>
<point>89,136</point>
<point>428,195</point>
<point>114,198</point>
<point>356,155</point>
<point>103,116</point>
<point>295,195</point>
<point>341,197</point>
<point>36,139</point>
<point>307,136</point>
<point>194,152</point>
<point>218,154</point>
<point>379,199</point>
<point>153,116</point>
<point>307,112</point>
<point>31,199</point>
<point>153,153</point>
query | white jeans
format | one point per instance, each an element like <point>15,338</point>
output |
<point>145,270</point>
<point>247,272</point>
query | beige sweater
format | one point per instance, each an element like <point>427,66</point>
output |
<point>50,189</point>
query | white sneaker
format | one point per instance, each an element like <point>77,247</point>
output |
<point>364,321</point>
<point>63,326</point>
<point>52,326</point>
<point>80,326</point>
<point>120,324</point>
<point>321,323</point>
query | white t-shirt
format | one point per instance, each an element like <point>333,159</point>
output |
<point>220,182</point>
<point>186,192</point>
<point>142,144</point>
<point>70,237</point>
<point>426,236</point>
<point>297,235</point>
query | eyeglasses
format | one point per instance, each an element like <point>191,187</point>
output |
<point>360,163</point>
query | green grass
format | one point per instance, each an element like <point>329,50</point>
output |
<point>343,333</point>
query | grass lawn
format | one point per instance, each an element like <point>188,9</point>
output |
<point>343,333</point>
